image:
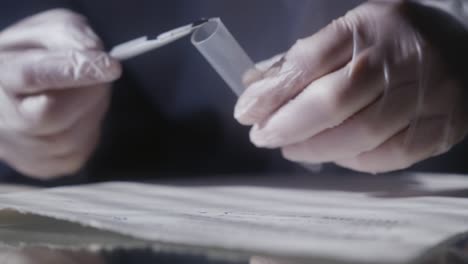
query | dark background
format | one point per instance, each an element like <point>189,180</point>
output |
<point>171,115</point>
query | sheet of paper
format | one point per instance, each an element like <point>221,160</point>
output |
<point>355,227</point>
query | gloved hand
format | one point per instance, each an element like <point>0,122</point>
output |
<point>367,93</point>
<point>54,92</point>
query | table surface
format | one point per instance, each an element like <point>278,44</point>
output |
<point>454,252</point>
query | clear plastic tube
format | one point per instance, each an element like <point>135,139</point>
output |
<point>214,41</point>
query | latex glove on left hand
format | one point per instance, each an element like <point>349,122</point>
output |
<point>55,82</point>
<point>367,93</point>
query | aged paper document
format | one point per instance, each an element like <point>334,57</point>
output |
<point>273,219</point>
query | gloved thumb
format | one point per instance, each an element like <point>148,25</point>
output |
<point>308,60</point>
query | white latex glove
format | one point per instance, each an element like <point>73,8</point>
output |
<point>366,92</point>
<point>54,92</point>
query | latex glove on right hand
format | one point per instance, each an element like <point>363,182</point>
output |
<point>367,93</point>
<point>54,92</point>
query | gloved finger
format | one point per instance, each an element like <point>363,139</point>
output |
<point>55,111</point>
<point>308,60</point>
<point>68,164</point>
<point>364,132</point>
<point>82,137</point>
<point>325,103</point>
<point>46,169</point>
<point>64,30</point>
<point>423,140</point>
<point>57,155</point>
<point>257,73</point>
<point>58,158</point>
<point>72,140</point>
<point>34,71</point>
<point>401,102</point>
<point>267,64</point>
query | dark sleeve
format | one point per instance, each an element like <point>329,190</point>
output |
<point>457,9</point>
<point>445,25</point>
